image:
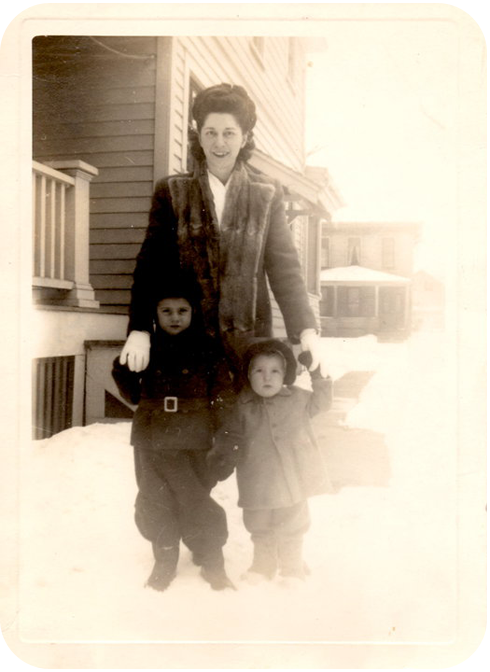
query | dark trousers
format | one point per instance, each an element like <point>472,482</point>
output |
<point>174,503</point>
<point>277,536</point>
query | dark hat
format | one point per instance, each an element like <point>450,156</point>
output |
<point>176,287</point>
<point>272,346</point>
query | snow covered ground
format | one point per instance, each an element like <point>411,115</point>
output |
<point>383,559</point>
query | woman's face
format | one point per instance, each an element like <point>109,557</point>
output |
<point>221,139</point>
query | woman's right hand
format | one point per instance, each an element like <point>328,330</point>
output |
<point>136,351</point>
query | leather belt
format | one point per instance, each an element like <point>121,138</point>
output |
<point>172,404</point>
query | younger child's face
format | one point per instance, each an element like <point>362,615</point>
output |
<point>174,315</point>
<point>266,375</point>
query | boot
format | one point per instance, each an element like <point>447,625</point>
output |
<point>290,554</point>
<point>265,558</point>
<point>165,567</point>
<point>213,571</point>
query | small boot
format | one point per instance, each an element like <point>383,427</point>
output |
<point>290,553</point>
<point>265,558</point>
<point>165,567</point>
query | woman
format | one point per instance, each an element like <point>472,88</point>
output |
<point>225,226</point>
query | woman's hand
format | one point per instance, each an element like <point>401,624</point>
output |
<point>136,351</point>
<point>310,341</point>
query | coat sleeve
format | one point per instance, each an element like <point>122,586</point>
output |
<point>281,263</point>
<point>128,382</point>
<point>321,398</point>
<point>157,260</point>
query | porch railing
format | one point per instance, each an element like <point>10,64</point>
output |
<point>60,197</point>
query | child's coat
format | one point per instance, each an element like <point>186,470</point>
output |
<point>277,458</point>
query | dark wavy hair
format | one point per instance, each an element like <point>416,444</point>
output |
<point>228,99</point>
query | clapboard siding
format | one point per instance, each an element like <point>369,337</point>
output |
<point>136,220</point>
<point>115,297</point>
<point>117,205</point>
<point>104,115</point>
<point>87,148</point>
<point>114,112</point>
<point>106,236</point>
<point>121,174</point>
<point>119,189</point>
<point>114,251</point>
<point>122,267</point>
<point>114,281</point>
<point>115,160</point>
<point>106,129</point>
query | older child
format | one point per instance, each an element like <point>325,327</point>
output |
<point>171,433</point>
<point>268,437</point>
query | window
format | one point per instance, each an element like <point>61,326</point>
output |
<point>388,252</point>
<point>327,302</point>
<point>356,301</point>
<point>325,247</point>
<point>354,252</point>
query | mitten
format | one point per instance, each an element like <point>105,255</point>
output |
<point>305,358</point>
<point>311,343</point>
<point>136,351</point>
<point>221,464</point>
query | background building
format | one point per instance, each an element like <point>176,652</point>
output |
<point>365,278</point>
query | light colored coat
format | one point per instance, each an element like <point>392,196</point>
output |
<point>278,461</point>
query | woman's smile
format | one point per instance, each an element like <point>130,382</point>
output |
<point>221,139</point>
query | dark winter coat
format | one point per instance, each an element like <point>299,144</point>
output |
<point>179,395</point>
<point>272,444</point>
<point>230,262</point>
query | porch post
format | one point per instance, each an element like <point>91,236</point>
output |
<point>77,233</point>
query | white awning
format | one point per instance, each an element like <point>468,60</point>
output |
<point>360,274</point>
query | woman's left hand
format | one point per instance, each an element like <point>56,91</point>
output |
<point>310,340</point>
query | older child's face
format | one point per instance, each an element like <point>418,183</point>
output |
<point>266,375</point>
<point>174,315</point>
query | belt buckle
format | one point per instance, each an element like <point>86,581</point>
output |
<point>170,404</point>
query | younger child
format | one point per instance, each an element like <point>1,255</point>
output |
<point>268,437</point>
<point>171,433</point>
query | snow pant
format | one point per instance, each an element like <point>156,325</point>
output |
<point>277,536</point>
<point>174,503</point>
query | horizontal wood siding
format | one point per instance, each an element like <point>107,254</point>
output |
<point>104,114</point>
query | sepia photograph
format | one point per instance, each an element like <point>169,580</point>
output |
<point>244,388</point>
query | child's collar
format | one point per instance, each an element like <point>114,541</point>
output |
<point>248,394</point>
